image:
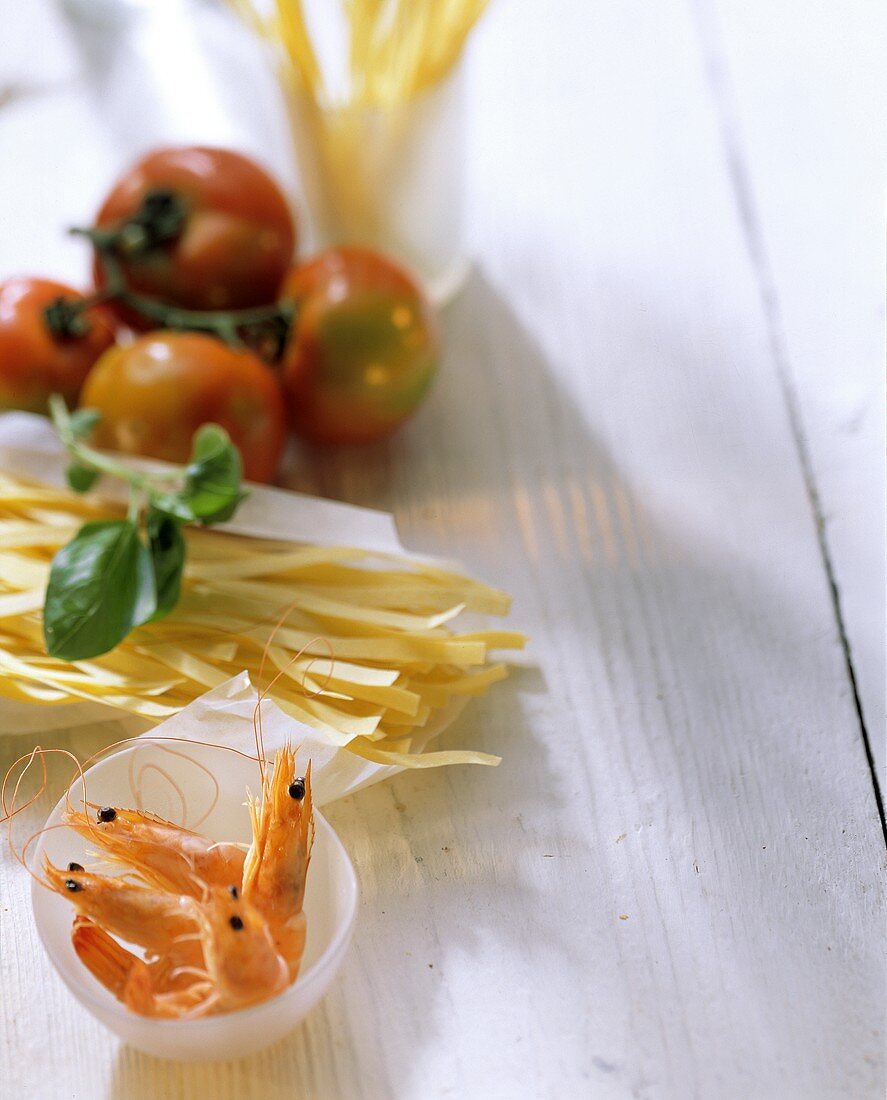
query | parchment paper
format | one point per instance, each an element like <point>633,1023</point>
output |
<point>30,448</point>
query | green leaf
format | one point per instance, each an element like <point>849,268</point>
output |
<point>100,586</point>
<point>146,601</point>
<point>172,505</point>
<point>167,547</point>
<point>211,491</point>
<point>212,479</point>
<point>82,421</point>
<point>81,478</point>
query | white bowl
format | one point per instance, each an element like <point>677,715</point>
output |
<point>330,898</point>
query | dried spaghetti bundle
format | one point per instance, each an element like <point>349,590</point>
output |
<point>364,643</point>
<point>396,48</point>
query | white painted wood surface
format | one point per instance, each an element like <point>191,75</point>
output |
<point>802,135</point>
<point>672,887</point>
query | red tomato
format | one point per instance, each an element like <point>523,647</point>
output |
<point>37,360</point>
<point>155,393</point>
<point>363,350</point>
<point>236,240</point>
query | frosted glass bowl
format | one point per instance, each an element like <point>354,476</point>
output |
<point>330,899</point>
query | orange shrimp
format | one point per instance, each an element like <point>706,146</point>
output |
<point>160,922</point>
<point>220,929</point>
<point>238,964</point>
<point>166,856</point>
<point>276,864</point>
<point>135,983</point>
<point>240,955</point>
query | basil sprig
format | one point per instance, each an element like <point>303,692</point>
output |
<point>115,575</point>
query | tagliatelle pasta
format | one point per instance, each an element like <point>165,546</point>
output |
<point>366,652</point>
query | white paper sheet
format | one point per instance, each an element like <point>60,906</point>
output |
<point>30,448</point>
<point>224,716</point>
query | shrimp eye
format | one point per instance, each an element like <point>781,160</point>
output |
<point>107,813</point>
<point>73,885</point>
<point>236,923</point>
<point>297,788</point>
<point>232,890</point>
<point>74,867</point>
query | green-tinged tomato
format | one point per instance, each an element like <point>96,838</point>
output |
<point>45,347</point>
<point>154,394</point>
<point>364,348</point>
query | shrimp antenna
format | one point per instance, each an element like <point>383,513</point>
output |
<point>11,808</point>
<point>135,783</point>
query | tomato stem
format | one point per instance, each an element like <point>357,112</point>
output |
<point>268,325</point>
<point>159,220</point>
<point>65,319</point>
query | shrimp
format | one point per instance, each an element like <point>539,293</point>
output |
<point>137,984</point>
<point>164,855</point>
<point>276,864</point>
<point>239,951</point>
<point>219,929</point>
<point>160,922</point>
<point>238,966</point>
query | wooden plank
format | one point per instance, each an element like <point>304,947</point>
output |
<point>669,888</point>
<point>803,99</point>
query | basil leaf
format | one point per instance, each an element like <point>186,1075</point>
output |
<point>167,546</point>
<point>172,505</point>
<point>82,421</point>
<point>146,600</point>
<point>81,478</point>
<point>212,479</point>
<point>100,586</point>
<point>211,492</point>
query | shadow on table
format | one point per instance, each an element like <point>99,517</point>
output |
<point>705,666</point>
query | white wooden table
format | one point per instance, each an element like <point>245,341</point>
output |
<point>660,424</point>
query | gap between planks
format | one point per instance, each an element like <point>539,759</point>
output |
<point>717,76</point>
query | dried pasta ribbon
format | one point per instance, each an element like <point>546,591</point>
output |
<point>368,655</point>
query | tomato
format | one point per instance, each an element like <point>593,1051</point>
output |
<point>37,360</point>
<point>363,349</point>
<point>233,244</point>
<point>155,393</point>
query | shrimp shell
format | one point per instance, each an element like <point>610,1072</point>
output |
<point>235,964</point>
<point>239,951</point>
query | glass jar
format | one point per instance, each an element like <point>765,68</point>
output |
<point>390,178</point>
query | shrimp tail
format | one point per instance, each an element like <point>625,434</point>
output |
<point>130,979</point>
<point>119,971</point>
